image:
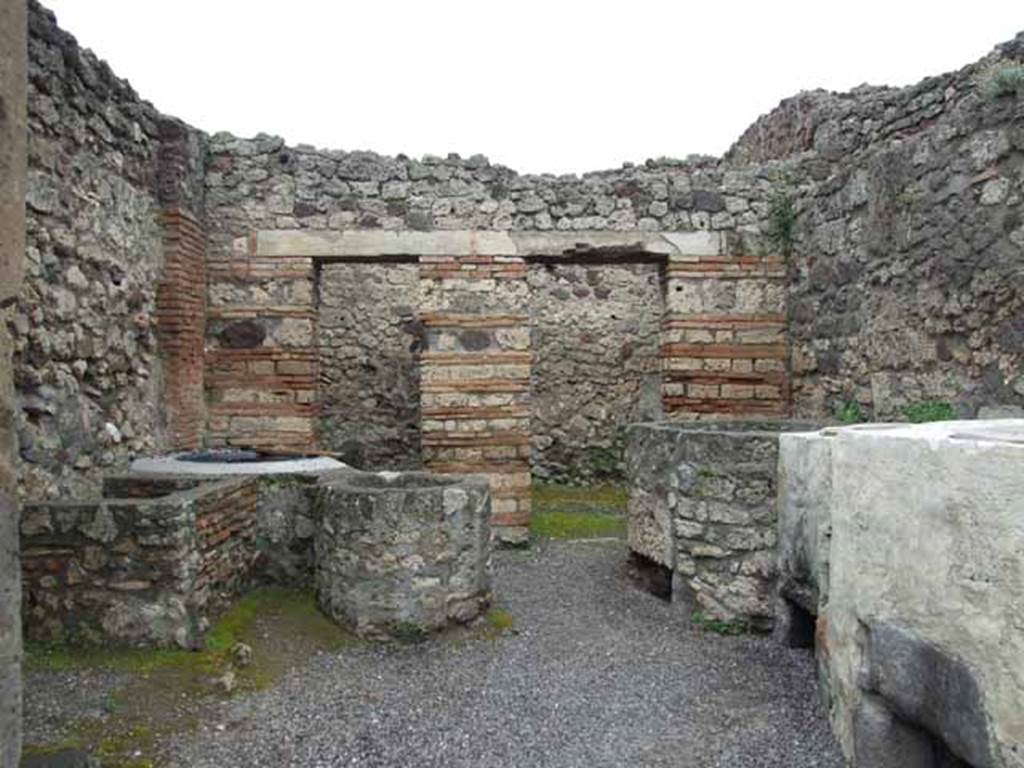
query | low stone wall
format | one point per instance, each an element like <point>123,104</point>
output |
<point>401,554</point>
<point>282,521</point>
<point>702,504</point>
<point>225,522</point>
<point>921,625</point>
<point>142,570</point>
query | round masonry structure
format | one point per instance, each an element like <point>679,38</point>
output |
<point>400,554</point>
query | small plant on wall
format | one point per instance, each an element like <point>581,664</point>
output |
<point>1004,81</point>
<point>781,221</point>
<point>929,410</point>
<point>850,412</point>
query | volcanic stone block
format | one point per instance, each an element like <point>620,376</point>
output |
<point>400,553</point>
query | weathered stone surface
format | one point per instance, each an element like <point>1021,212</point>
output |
<point>402,553</point>
<point>285,528</point>
<point>369,337</point>
<point>883,740</point>
<point>924,604</point>
<point>702,502</point>
<point>243,334</point>
<point>925,685</point>
<point>904,272</point>
<point>594,332</point>
<point>375,244</point>
<point>805,530</point>
<point>102,165</point>
<point>144,570</point>
<point>13,60</point>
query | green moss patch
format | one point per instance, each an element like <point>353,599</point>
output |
<point>719,626</point>
<point>167,689</point>
<point>571,512</point>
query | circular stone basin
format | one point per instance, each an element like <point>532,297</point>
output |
<point>402,554</point>
<point>234,462</point>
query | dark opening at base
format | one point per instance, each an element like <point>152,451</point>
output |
<point>651,576</point>
<point>797,626</point>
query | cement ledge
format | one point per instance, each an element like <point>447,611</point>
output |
<point>682,246</point>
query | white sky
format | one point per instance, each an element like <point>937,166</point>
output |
<point>539,85</point>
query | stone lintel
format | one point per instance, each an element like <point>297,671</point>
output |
<point>368,244</point>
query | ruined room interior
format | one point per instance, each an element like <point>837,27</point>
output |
<point>720,440</point>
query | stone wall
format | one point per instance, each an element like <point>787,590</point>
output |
<point>891,189</point>
<point>594,330</point>
<point>369,337</point>
<point>262,184</point>
<point>13,59</point>
<point>136,571</point>
<point>259,187</point>
<point>272,545</point>
<point>102,165</point>
<point>904,284</point>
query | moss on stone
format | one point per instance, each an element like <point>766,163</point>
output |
<point>499,620</point>
<point>281,625</point>
<point>719,626</point>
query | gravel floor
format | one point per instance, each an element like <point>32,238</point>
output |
<point>596,673</point>
<point>55,701</point>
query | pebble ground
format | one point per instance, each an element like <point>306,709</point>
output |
<point>594,673</point>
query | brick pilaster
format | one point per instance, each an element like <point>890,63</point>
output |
<point>181,326</point>
<point>475,378</point>
<point>723,344</point>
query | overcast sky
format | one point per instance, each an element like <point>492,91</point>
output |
<point>539,85</point>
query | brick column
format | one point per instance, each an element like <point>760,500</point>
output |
<point>13,56</point>
<point>181,327</point>
<point>261,360</point>
<point>475,379</point>
<point>723,344</point>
